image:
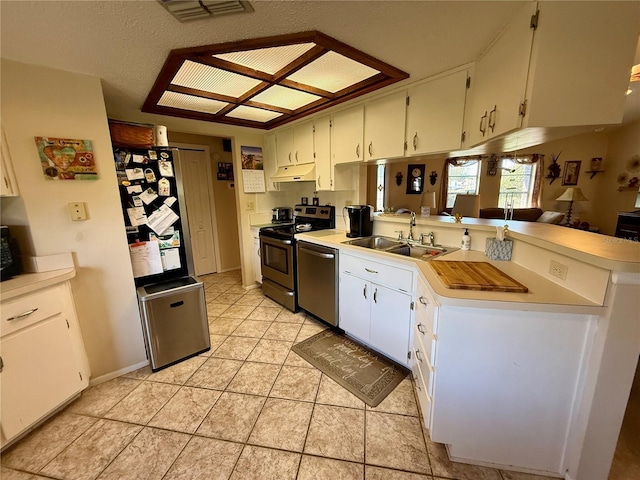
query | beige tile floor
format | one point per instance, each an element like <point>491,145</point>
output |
<point>248,409</point>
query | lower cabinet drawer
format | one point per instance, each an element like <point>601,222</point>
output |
<point>424,365</point>
<point>381,273</point>
<point>424,399</point>
<point>427,341</point>
<point>29,309</point>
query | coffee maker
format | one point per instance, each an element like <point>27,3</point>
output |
<point>360,220</point>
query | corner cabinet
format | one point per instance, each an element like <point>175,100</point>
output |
<point>43,362</point>
<point>8,186</point>
<point>499,82</point>
<point>435,114</point>
<point>384,123</point>
<point>376,305</point>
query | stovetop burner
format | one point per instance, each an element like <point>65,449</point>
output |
<point>306,218</point>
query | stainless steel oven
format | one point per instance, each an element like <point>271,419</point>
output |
<point>277,260</point>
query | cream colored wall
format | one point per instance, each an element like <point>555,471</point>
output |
<point>224,197</point>
<point>38,101</point>
<point>608,201</point>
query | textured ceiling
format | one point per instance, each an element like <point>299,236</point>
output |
<point>126,42</point>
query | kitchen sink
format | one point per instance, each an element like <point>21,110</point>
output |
<point>375,242</point>
<point>401,247</point>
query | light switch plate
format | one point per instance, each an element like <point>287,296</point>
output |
<point>78,211</point>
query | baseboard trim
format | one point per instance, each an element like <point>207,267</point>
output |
<point>117,373</point>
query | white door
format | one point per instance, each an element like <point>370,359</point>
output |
<point>390,322</point>
<point>198,192</point>
<point>354,306</point>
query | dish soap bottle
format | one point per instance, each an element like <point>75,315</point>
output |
<point>466,240</point>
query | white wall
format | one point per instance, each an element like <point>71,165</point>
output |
<point>39,101</point>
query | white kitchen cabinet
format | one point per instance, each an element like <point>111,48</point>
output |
<point>570,40</point>
<point>347,135</point>
<point>322,153</point>
<point>384,126</point>
<point>294,145</point>
<point>513,377</point>
<point>257,264</point>
<point>499,80</point>
<point>435,114</point>
<point>270,162</point>
<point>44,364</point>
<point>377,314</point>
<point>284,147</point>
<point>329,178</point>
<point>8,186</point>
<point>424,349</point>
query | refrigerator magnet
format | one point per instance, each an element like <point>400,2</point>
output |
<point>153,155</point>
<point>164,188</point>
<point>149,175</point>
<point>164,155</point>
<point>148,196</point>
<point>137,201</point>
<point>166,168</point>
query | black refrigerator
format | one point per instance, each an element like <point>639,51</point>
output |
<point>171,298</point>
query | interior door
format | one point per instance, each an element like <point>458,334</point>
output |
<point>198,192</point>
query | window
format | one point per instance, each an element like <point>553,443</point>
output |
<point>463,179</point>
<point>516,184</point>
<point>380,188</point>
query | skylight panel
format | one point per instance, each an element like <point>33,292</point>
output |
<point>250,113</point>
<point>333,72</point>
<point>213,80</point>
<point>284,97</point>
<point>268,60</point>
<point>190,102</point>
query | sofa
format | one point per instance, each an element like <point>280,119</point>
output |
<point>524,214</point>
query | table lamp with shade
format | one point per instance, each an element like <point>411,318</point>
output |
<point>571,194</point>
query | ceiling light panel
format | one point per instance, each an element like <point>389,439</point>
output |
<point>214,80</point>
<point>333,72</point>
<point>269,60</point>
<point>190,102</point>
<point>285,97</point>
<point>255,114</point>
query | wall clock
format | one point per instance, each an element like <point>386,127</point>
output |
<point>415,179</point>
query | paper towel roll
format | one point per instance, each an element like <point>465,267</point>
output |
<point>160,138</point>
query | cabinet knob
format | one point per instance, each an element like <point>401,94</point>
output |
<point>422,300</point>
<point>418,356</point>
<point>420,328</point>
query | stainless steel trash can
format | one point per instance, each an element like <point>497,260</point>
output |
<point>174,320</point>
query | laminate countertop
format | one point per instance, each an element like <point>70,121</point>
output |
<point>30,282</point>
<point>543,294</point>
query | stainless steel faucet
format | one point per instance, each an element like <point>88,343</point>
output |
<point>412,223</point>
<point>429,236</point>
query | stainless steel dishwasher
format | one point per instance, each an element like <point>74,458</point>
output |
<point>318,280</point>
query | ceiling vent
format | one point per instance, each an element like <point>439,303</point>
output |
<point>187,10</point>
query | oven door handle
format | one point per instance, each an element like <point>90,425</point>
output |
<point>276,242</point>
<point>318,254</point>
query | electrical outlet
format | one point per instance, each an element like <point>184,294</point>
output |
<point>78,211</point>
<point>251,206</point>
<point>558,270</point>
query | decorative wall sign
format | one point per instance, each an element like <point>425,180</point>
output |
<point>66,159</point>
<point>571,172</point>
<point>415,178</point>
<point>225,171</point>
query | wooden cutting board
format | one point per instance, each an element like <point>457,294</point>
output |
<point>475,276</point>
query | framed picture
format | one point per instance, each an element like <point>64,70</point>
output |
<point>415,179</point>
<point>571,172</point>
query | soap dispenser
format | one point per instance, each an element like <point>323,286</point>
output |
<point>466,240</point>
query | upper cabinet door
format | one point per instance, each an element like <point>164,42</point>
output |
<point>499,82</point>
<point>384,126</point>
<point>322,153</point>
<point>347,131</point>
<point>580,61</point>
<point>303,143</point>
<point>270,165</point>
<point>435,114</point>
<point>284,148</point>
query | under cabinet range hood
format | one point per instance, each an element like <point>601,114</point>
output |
<point>296,173</point>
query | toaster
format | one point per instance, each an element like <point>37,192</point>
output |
<point>282,215</point>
